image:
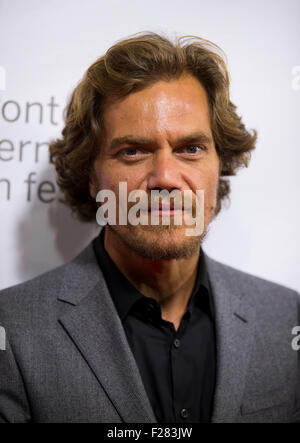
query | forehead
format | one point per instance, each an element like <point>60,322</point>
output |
<point>165,107</point>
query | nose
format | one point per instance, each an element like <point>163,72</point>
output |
<point>165,172</point>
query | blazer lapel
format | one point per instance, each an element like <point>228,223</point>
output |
<point>97,331</point>
<point>234,337</point>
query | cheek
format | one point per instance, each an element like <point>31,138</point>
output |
<point>211,198</point>
<point>212,183</point>
<point>212,188</point>
<point>209,183</point>
<point>109,178</point>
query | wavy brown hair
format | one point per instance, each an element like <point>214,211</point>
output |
<point>131,65</point>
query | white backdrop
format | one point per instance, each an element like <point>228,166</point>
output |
<point>45,47</point>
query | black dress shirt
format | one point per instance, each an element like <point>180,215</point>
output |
<point>178,368</point>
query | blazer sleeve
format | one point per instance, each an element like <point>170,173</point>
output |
<point>14,406</point>
<point>296,410</point>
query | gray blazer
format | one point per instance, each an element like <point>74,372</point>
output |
<point>67,358</point>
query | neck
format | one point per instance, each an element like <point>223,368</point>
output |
<point>170,282</point>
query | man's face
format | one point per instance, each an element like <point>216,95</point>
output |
<point>160,138</point>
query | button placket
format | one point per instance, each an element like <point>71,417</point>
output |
<point>184,413</point>
<point>177,343</point>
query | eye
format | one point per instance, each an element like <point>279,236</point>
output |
<point>193,150</point>
<point>131,154</point>
<point>129,151</point>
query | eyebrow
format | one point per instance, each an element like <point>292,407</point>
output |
<point>131,140</point>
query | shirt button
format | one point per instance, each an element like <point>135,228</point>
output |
<point>184,413</point>
<point>177,342</point>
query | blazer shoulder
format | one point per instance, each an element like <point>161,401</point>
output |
<point>249,284</point>
<point>77,275</point>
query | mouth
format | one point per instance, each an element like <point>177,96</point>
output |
<point>162,208</point>
<point>165,211</point>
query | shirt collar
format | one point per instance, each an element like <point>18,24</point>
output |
<point>124,294</point>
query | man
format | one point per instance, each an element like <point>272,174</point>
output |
<point>143,326</point>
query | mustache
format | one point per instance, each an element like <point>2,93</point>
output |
<point>177,201</point>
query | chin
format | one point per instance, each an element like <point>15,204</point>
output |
<point>160,242</point>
